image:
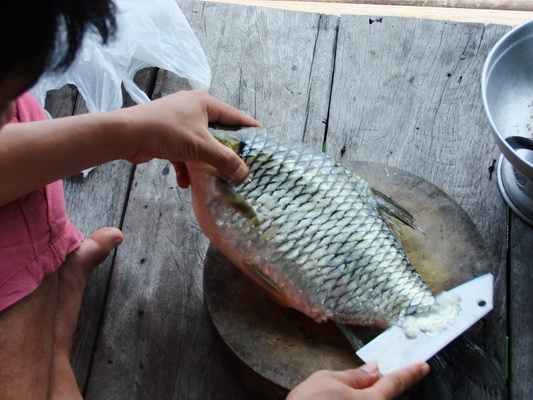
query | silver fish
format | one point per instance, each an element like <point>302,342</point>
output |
<point>314,235</point>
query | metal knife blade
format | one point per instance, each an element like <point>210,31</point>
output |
<point>392,349</point>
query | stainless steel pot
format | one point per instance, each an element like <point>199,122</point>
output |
<point>507,91</point>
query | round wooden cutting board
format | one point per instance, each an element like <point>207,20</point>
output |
<point>272,348</point>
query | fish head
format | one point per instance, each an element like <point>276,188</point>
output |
<point>201,173</point>
<point>228,137</point>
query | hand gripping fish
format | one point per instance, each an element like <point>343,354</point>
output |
<point>314,236</point>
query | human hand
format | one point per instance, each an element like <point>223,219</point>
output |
<point>363,383</point>
<point>175,128</point>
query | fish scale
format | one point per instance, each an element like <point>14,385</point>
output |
<point>312,233</point>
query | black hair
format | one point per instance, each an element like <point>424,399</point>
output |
<point>41,35</point>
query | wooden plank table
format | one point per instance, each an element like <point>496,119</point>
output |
<point>399,91</point>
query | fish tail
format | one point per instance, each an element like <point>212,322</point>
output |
<point>462,357</point>
<point>439,384</point>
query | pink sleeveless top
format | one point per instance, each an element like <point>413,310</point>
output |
<point>35,232</point>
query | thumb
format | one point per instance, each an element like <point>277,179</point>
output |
<point>227,162</point>
<point>395,383</point>
<point>362,377</point>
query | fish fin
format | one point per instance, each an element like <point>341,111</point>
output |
<point>440,382</point>
<point>236,202</point>
<point>351,335</point>
<point>268,285</point>
<point>461,358</point>
<point>390,208</point>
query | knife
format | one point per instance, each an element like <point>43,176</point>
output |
<point>392,349</point>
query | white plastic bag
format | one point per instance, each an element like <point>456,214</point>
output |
<point>151,33</point>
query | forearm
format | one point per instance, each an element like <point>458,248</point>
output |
<point>34,154</point>
<point>173,128</point>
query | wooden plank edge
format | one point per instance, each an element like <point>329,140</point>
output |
<point>517,5</point>
<point>502,17</point>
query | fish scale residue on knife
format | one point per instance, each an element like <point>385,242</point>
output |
<point>314,235</point>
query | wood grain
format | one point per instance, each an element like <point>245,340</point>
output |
<point>521,300</point>
<point>93,202</point>
<point>272,64</point>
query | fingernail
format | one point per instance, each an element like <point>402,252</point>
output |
<point>370,368</point>
<point>118,242</point>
